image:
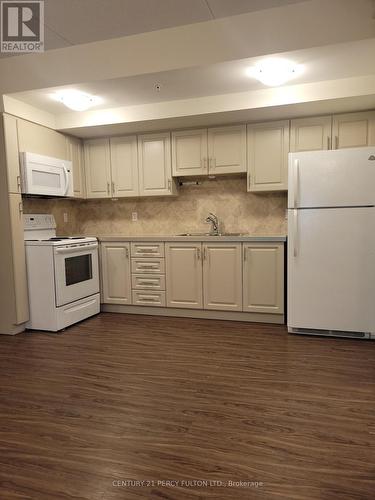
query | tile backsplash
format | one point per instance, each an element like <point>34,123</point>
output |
<point>237,210</point>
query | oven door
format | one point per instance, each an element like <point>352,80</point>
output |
<point>76,272</point>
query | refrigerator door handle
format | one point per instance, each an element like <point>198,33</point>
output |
<point>295,183</point>
<point>295,233</point>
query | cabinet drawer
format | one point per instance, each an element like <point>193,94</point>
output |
<point>147,249</point>
<point>148,298</point>
<point>143,266</point>
<point>142,281</point>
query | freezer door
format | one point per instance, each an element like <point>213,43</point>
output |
<point>331,269</point>
<point>339,178</point>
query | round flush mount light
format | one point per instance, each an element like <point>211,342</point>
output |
<point>76,100</point>
<point>274,71</point>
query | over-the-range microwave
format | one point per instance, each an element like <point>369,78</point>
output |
<point>43,175</point>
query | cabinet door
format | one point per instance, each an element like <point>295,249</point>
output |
<point>34,138</point>
<point>311,134</point>
<point>116,277</point>
<point>155,171</point>
<point>268,147</point>
<point>184,275</point>
<point>19,259</point>
<point>12,154</point>
<point>75,152</point>
<point>189,152</point>
<point>227,149</point>
<point>222,276</point>
<point>263,278</point>
<point>353,130</point>
<point>124,166</point>
<point>97,168</point>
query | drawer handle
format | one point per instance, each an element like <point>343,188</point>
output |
<point>149,299</point>
<point>149,283</point>
<point>149,266</point>
<point>146,250</point>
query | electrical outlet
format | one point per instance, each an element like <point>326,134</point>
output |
<point>134,216</point>
<point>66,218</point>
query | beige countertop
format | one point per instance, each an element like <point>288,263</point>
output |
<point>193,237</point>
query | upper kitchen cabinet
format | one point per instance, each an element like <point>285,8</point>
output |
<point>353,130</point>
<point>227,149</point>
<point>311,134</point>
<point>189,152</point>
<point>11,154</point>
<point>124,166</point>
<point>97,168</point>
<point>268,147</point>
<point>75,155</point>
<point>34,138</point>
<point>154,162</point>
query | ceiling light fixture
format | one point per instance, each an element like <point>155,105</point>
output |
<point>76,100</point>
<point>274,71</point>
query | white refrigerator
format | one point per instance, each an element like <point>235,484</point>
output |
<point>331,243</point>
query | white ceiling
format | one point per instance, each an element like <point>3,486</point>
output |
<point>72,22</point>
<point>320,63</point>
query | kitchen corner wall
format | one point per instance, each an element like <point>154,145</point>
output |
<point>238,210</point>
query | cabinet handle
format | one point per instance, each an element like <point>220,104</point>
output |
<point>244,253</point>
<point>198,253</point>
<point>205,163</point>
<point>336,142</point>
<point>204,253</point>
<point>328,142</point>
<point>108,188</point>
<point>19,183</point>
<point>113,188</point>
<point>169,185</point>
<point>20,207</point>
<point>127,252</point>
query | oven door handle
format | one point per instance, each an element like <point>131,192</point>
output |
<point>83,248</point>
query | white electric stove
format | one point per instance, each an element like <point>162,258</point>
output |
<point>63,275</point>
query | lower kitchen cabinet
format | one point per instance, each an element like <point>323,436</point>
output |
<point>116,275</point>
<point>19,260</point>
<point>184,275</point>
<point>263,278</point>
<point>222,276</point>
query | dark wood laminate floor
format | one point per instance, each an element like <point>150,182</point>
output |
<point>121,398</point>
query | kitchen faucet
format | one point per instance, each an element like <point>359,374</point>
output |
<point>213,220</point>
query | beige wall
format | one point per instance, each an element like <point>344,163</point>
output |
<point>227,197</point>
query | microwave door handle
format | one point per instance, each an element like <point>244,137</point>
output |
<point>66,177</point>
